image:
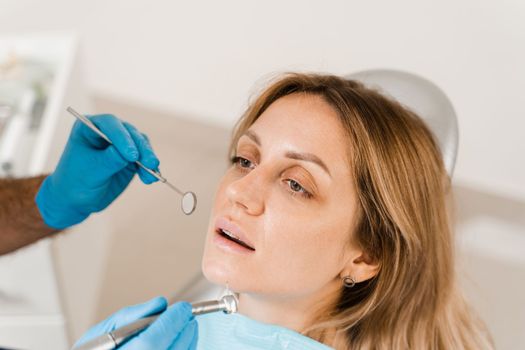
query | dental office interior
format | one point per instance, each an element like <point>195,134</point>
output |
<point>183,73</point>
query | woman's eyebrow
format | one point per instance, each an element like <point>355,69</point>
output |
<point>255,138</point>
<point>309,157</point>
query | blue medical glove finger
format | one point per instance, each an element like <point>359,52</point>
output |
<point>151,162</point>
<point>146,177</point>
<point>194,341</point>
<point>147,156</point>
<point>124,317</point>
<point>81,133</point>
<point>114,129</point>
<point>110,160</point>
<point>120,182</point>
<point>187,339</point>
<point>134,312</point>
<point>165,330</point>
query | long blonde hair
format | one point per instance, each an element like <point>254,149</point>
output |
<point>413,302</point>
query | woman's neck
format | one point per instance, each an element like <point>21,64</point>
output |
<point>295,313</point>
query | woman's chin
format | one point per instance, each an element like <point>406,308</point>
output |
<point>222,275</point>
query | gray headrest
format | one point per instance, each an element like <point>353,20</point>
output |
<point>424,98</point>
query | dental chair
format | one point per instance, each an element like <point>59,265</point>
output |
<point>421,96</point>
<point>425,99</point>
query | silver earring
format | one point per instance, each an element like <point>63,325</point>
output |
<point>348,282</point>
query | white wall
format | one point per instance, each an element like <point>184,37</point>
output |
<point>203,57</point>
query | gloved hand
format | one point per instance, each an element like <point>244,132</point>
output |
<point>175,329</point>
<point>91,173</point>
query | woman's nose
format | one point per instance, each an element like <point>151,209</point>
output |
<point>247,193</point>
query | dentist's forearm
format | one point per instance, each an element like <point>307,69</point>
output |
<point>20,220</point>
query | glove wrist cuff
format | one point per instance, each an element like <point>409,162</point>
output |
<point>56,214</point>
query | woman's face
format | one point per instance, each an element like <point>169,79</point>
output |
<point>289,197</point>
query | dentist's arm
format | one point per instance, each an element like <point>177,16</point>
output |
<point>90,175</point>
<point>20,220</point>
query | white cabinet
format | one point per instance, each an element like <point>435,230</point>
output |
<point>39,78</point>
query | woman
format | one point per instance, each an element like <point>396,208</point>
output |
<point>331,224</point>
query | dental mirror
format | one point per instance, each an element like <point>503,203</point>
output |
<point>188,203</point>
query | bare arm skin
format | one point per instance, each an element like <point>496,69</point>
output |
<point>20,220</point>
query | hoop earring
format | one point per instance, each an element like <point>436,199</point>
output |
<point>348,282</point>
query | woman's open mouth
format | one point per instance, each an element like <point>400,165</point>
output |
<point>227,238</point>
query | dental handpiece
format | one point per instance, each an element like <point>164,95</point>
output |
<point>111,340</point>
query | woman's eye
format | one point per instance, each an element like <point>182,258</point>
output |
<point>242,162</point>
<point>297,188</point>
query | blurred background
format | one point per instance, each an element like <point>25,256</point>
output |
<point>183,72</point>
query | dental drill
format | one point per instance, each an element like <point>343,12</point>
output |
<point>111,340</point>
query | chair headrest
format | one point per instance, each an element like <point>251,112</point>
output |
<point>424,98</point>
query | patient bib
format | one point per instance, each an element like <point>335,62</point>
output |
<point>219,331</point>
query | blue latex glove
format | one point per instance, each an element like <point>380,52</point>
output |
<point>91,173</point>
<point>175,329</point>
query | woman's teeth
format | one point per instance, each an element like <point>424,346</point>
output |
<point>228,233</point>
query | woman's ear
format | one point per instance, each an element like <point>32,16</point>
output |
<point>360,266</point>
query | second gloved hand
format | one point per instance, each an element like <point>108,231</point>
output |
<point>175,329</point>
<point>92,173</point>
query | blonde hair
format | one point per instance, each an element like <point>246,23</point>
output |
<point>413,302</point>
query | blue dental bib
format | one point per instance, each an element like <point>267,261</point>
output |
<point>218,331</point>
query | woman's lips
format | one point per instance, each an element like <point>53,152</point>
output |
<point>228,235</point>
<point>232,230</point>
<point>228,245</point>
